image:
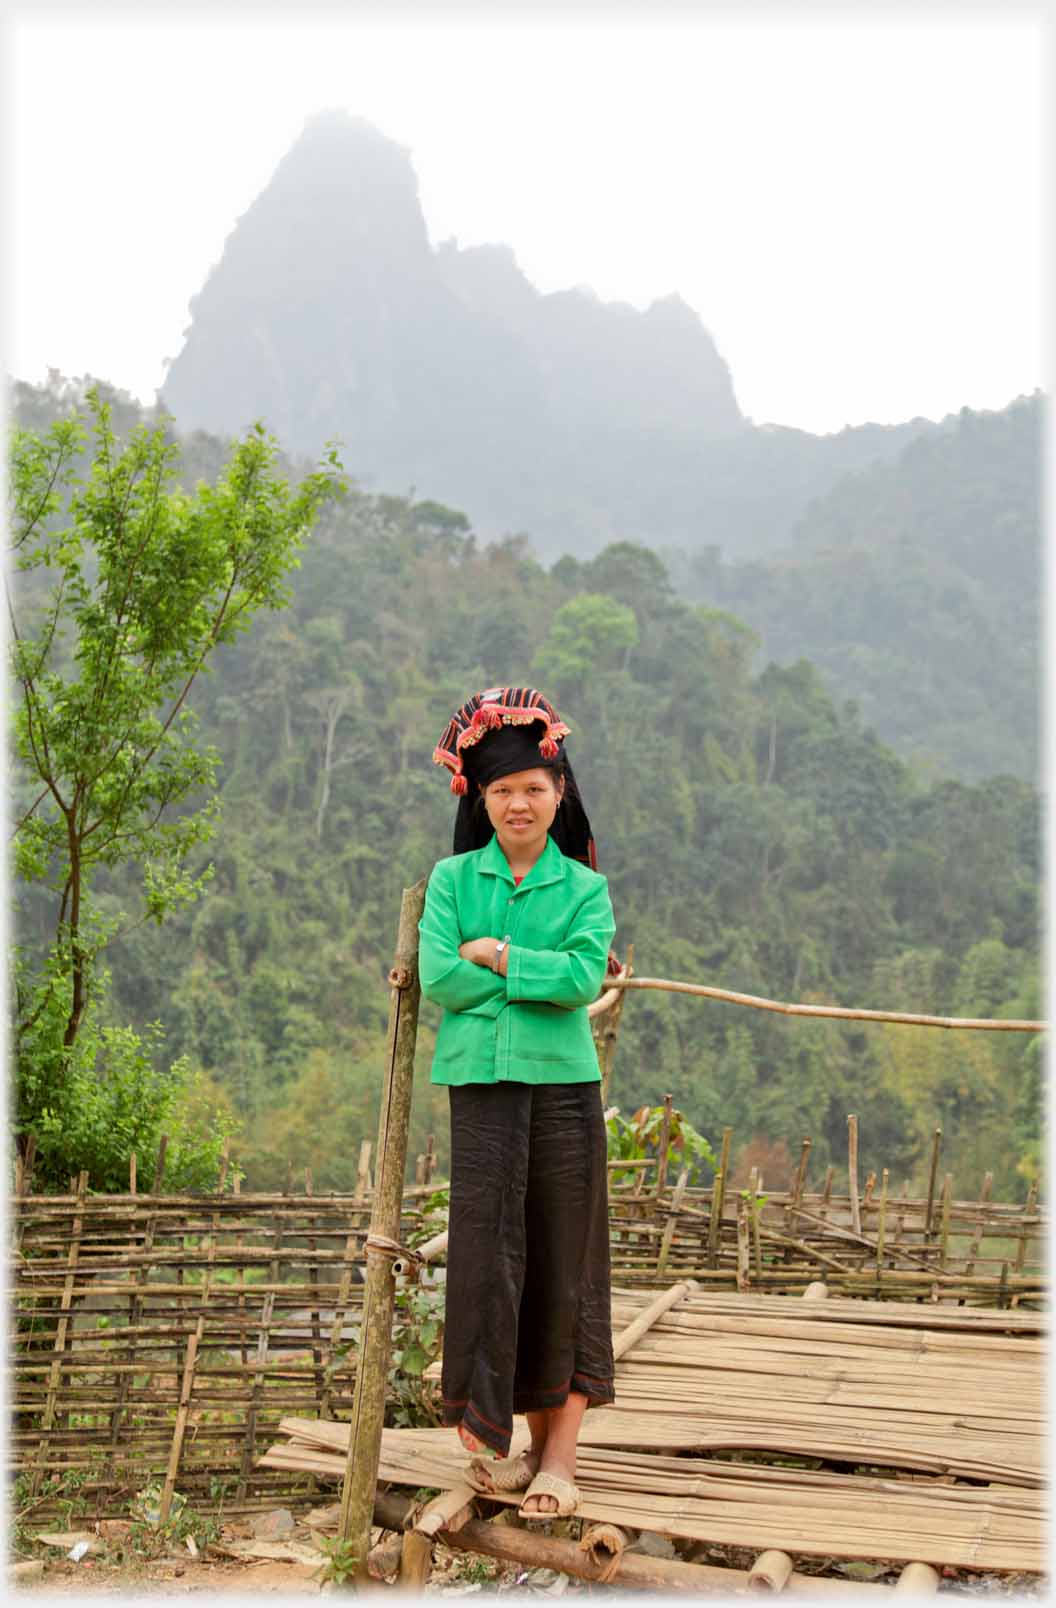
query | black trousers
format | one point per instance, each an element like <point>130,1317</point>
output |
<point>528,1305</point>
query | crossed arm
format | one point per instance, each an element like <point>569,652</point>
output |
<point>469,976</point>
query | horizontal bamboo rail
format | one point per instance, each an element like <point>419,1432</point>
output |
<point>843,1013</point>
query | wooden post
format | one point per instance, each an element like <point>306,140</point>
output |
<point>368,1405</point>
<point>852,1172</point>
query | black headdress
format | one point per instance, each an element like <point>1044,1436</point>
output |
<point>496,733</point>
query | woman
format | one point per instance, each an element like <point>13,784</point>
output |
<point>515,938</point>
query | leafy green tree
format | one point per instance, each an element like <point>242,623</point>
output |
<point>589,632</point>
<point>128,585</point>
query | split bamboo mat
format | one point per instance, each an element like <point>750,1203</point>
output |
<point>798,1511</point>
<point>929,1422</point>
<point>931,1389</point>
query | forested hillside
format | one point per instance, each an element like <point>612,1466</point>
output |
<point>914,585</point>
<point>755,834</point>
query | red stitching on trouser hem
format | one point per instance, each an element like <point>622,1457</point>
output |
<point>457,1413</point>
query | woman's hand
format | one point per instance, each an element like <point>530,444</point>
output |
<point>481,951</point>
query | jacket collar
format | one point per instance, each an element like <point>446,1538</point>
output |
<point>550,866</point>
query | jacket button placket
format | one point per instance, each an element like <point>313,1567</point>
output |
<point>502,1046</point>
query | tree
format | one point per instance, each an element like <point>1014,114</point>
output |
<point>589,632</point>
<point>128,585</point>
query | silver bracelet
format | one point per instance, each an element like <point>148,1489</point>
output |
<point>499,947</point>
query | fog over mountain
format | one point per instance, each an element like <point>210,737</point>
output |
<point>577,421</point>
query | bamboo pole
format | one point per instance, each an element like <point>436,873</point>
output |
<point>364,1446</point>
<point>744,1277</point>
<point>830,1012</point>
<point>263,1341</point>
<point>936,1148</point>
<point>62,1330</point>
<point>182,1411</point>
<point>363,1173</point>
<point>662,1148</point>
<point>631,1335</point>
<point>944,1220</point>
<point>416,1562</point>
<point>340,1313</point>
<point>852,1172</point>
<point>881,1223</point>
<point>313,1279</point>
<point>633,1570</point>
<point>980,1224</point>
<point>718,1194</point>
<point>672,1221</point>
<point>770,1571</point>
<point>918,1580</point>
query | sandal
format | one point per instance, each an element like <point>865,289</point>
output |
<point>565,1494</point>
<point>505,1474</point>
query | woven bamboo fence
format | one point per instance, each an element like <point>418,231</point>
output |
<point>866,1242</point>
<point>162,1336</point>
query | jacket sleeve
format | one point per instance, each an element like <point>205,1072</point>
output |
<point>447,979</point>
<point>572,974</point>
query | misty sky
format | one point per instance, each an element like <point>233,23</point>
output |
<point>855,209</point>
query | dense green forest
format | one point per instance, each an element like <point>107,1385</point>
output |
<point>914,584</point>
<point>756,835</point>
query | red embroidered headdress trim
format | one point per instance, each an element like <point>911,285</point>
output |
<point>488,711</point>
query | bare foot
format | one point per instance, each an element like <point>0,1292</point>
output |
<point>555,1432</point>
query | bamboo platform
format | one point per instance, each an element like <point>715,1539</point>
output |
<point>937,1416</point>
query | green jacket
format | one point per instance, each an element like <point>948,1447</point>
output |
<point>530,1026</point>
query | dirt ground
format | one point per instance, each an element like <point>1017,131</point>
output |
<point>455,1574</point>
<point>117,1567</point>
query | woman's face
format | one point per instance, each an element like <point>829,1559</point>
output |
<point>521,808</point>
